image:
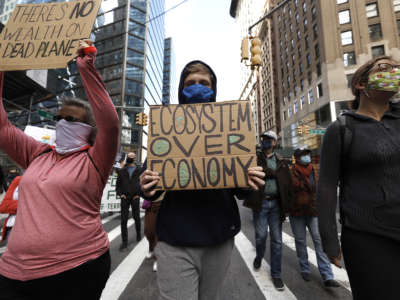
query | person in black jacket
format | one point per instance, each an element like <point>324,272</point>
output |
<point>361,153</point>
<point>195,228</point>
<point>127,189</point>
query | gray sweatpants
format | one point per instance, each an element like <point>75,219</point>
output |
<point>192,273</point>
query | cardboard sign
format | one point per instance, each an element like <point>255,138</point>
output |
<point>46,35</point>
<point>201,146</point>
<point>110,201</point>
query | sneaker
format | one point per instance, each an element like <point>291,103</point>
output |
<point>278,284</point>
<point>331,283</point>
<point>123,247</point>
<point>257,263</point>
<point>150,255</point>
<point>305,276</point>
<point>155,266</point>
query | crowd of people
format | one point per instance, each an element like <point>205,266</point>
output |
<point>57,247</point>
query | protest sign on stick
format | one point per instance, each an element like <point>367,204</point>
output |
<point>45,35</point>
<point>201,146</point>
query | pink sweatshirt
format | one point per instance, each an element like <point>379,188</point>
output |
<point>58,225</point>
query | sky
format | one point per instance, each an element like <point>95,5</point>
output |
<point>204,29</point>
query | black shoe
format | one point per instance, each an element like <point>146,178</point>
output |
<point>278,284</point>
<point>306,276</point>
<point>331,283</point>
<point>123,247</point>
<point>257,263</point>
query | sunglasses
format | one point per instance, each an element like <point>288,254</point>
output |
<point>66,118</point>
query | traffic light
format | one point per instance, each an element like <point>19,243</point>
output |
<point>306,129</point>
<point>255,52</point>
<point>144,119</point>
<point>245,49</point>
<point>299,130</point>
<point>139,118</point>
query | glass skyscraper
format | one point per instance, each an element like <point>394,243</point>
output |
<point>129,36</point>
<point>169,77</point>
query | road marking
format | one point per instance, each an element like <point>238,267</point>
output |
<point>261,277</point>
<point>125,271</point>
<point>340,274</point>
<point>109,218</point>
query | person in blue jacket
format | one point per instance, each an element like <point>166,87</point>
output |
<point>195,228</point>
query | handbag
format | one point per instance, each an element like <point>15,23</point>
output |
<point>146,204</point>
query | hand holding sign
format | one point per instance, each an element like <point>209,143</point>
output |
<point>83,44</point>
<point>148,180</point>
<point>256,176</point>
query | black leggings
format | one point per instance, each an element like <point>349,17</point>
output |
<point>85,282</point>
<point>373,264</point>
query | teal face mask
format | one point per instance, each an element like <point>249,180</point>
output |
<point>385,81</point>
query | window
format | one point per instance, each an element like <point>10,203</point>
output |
<point>396,5</point>
<point>349,77</point>
<point>301,68</point>
<point>299,34</point>
<point>398,26</point>
<point>319,71</point>
<point>316,48</point>
<point>305,23</point>
<point>284,115</point>
<point>304,7</point>
<point>308,57</point>
<point>309,78</point>
<point>344,16</point>
<point>342,1</point>
<point>349,58</point>
<point>302,102</point>
<point>296,107</point>
<point>297,18</point>
<point>314,13</point>
<point>310,97</point>
<point>307,42</point>
<point>291,27</point>
<point>292,44</point>
<point>375,32</point>
<point>372,10</point>
<point>302,85</point>
<point>299,52</point>
<point>290,111</point>
<point>320,92</point>
<point>347,37</point>
<point>378,51</point>
<point>315,30</point>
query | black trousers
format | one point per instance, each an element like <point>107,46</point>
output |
<point>372,263</point>
<point>85,282</point>
<point>134,204</point>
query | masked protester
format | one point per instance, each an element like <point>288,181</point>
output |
<point>58,248</point>
<point>303,215</point>
<point>361,154</point>
<point>196,228</point>
<point>269,205</point>
<point>128,191</point>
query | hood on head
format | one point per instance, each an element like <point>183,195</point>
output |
<point>185,74</point>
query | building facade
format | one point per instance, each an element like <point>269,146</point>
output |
<point>169,94</point>
<point>317,45</point>
<point>6,7</point>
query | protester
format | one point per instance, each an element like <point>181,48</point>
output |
<point>150,221</point>
<point>128,191</point>
<point>195,228</point>
<point>9,206</point>
<point>58,248</point>
<point>303,215</point>
<point>361,151</point>
<point>269,205</point>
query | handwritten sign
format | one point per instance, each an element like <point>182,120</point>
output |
<point>110,201</point>
<point>201,146</point>
<point>46,35</point>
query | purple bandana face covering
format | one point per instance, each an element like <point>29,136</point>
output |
<point>71,136</point>
<point>197,93</point>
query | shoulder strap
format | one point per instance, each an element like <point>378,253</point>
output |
<point>97,169</point>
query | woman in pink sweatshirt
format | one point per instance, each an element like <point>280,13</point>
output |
<point>59,249</point>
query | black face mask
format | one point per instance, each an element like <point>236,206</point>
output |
<point>129,160</point>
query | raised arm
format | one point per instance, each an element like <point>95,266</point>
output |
<point>327,190</point>
<point>105,147</point>
<point>20,147</point>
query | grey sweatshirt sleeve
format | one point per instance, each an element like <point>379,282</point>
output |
<point>330,165</point>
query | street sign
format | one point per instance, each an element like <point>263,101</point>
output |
<point>45,114</point>
<point>317,131</point>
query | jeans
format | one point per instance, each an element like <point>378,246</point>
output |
<point>269,216</point>
<point>299,225</point>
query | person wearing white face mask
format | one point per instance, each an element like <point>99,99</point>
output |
<point>58,248</point>
<point>303,215</point>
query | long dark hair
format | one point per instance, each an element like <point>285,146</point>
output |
<point>361,76</point>
<point>88,118</point>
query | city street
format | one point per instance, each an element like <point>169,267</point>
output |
<point>132,276</point>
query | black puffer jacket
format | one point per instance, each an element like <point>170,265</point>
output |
<point>370,172</point>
